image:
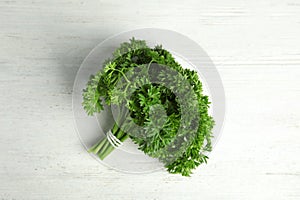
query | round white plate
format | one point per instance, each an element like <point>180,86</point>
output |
<point>189,54</point>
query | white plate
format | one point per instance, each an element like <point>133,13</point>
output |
<point>188,53</point>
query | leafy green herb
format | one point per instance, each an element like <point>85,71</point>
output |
<point>150,111</point>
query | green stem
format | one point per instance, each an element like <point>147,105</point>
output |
<point>124,137</point>
<point>103,147</point>
<point>109,148</point>
<point>107,151</point>
<point>123,75</point>
<point>96,148</point>
<point>100,145</point>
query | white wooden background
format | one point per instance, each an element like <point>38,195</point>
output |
<point>255,46</point>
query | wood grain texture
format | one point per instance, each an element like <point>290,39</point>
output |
<point>255,46</point>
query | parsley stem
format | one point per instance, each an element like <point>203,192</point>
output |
<point>123,75</point>
<point>103,149</point>
<point>107,148</point>
<point>96,148</point>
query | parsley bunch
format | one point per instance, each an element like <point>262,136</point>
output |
<point>159,106</point>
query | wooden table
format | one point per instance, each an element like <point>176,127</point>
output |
<point>255,46</point>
